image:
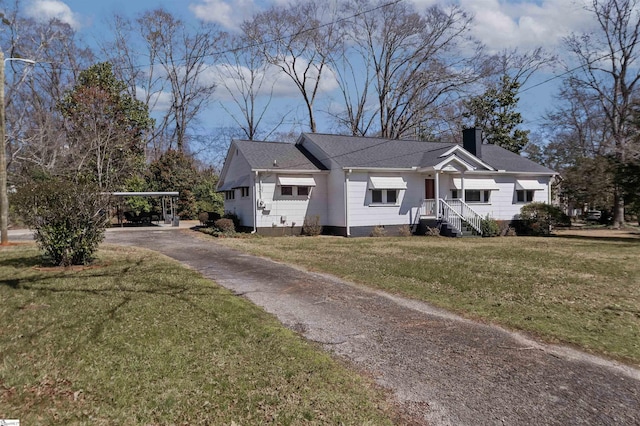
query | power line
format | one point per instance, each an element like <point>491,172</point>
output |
<point>261,43</point>
<point>589,63</point>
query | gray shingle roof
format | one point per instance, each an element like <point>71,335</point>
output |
<point>503,159</point>
<point>261,155</point>
<point>354,151</point>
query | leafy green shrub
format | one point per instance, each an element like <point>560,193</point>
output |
<point>489,227</point>
<point>378,231</point>
<point>225,225</point>
<point>311,226</point>
<point>68,218</point>
<point>207,199</point>
<point>176,171</point>
<point>540,218</point>
<point>214,232</point>
<point>137,205</point>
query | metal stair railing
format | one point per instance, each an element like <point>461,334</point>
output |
<point>451,216</point>
<point>468,215</point>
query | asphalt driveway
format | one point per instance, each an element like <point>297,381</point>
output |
<point>441,369</point>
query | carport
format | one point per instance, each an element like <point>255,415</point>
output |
<point>169,201</point>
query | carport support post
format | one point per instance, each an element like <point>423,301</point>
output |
<point>174,218</point>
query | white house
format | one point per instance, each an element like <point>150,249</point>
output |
<point>353,184</point>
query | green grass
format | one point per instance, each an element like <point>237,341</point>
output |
<point>584,292</point>
<point>141,340</point>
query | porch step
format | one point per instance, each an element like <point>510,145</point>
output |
<point>469,231</point>
<point>446,229</point>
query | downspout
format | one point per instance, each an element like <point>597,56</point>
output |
<point>346,202</point>
<point>254,200</point>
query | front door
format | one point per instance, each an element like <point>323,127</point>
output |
<point>429,189</point>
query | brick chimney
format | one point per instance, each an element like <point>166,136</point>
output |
<point>472,141</point>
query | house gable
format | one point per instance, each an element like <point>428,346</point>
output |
<point>463,155</point>
<point>235,171</point>
<point>453,164</point>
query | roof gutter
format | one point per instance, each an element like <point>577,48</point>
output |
<point>380,169</point>
<point>297,171</point>
<point>504,172</point>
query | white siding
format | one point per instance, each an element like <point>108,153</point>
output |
<point>335,214</point>
<point>363,213</point>
<point>335,196</point>
<point>243,207</point>
<point>502,204</point>
<point>285,211</point>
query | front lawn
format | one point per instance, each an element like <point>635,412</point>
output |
<point>580,291</point>
<point>138,339</point>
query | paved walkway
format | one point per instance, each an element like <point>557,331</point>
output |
<point>442,369</point>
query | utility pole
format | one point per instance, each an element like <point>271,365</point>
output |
<point>4,198</point>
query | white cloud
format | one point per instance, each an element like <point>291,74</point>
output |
<point>274,81</point>
<point>159,102</point>
<point>45,10</point>
<point>227,13</point>
<point>526,24</point>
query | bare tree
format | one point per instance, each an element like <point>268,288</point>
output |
<point>298,40</point>
<point>178,61</point>
<point>353,69</point>
<point>144,80</point>
<point>609,74</point>
<point>249,79</point>
<point>35,136</point>
<point>416,61</point>
<point>521,66</point>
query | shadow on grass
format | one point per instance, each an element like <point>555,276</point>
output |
<point>23,262</point>
<point>119,293</point>
<point>13,283</point>
<point>632,240</point>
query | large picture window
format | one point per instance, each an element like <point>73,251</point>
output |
<point>473,195</point>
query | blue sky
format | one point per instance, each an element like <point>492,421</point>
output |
<point>500,24</point>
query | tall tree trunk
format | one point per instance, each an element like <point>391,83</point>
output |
<point>618,208</point>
